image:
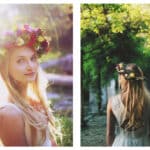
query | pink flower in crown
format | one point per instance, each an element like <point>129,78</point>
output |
<point>28,28</point>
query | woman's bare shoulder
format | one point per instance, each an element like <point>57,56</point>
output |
<point>10,109</point>
<point>109,105</point>
<point>10,115</point>
<point>111,102</point>
<point>12,125</point>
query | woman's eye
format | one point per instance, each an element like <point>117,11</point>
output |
<point>20,61</point>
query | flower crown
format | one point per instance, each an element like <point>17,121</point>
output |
<point>128,74</point>
<point>27,36</point>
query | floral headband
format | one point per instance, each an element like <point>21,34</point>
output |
<point>27,36</point>
<point>128,74</point>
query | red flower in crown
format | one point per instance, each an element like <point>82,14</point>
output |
<point>27,36</point>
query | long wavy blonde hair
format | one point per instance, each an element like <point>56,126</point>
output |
<point>133,95</point>
<point>38,90</point>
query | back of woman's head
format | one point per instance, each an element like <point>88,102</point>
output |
<point>130,72</point>
<point>132,94</point>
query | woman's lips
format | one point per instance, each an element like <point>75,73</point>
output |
<point>29,74</point>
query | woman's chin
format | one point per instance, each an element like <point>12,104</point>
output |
<point>32,79</point>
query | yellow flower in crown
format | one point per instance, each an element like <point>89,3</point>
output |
<point>126,75</point>
<point>20,41</point>
<point>40,39</point>
<point>132,75</point>
<point>121,65</point>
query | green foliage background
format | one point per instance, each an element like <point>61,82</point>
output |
<point>112,33</point>
<point>67,128</point>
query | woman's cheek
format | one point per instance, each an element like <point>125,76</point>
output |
<point>36,66</point>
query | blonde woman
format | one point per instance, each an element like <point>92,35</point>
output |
<point>130,110</point>
<point>25,117</point>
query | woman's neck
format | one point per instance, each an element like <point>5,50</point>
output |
<point>22,87</point>
<point>24,91</point>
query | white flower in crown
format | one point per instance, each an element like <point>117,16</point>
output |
<point>121,65</point>
<point>126,75</point>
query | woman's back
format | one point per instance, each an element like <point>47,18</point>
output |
<point>138,137</point>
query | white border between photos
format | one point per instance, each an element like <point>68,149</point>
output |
<point>76,75</point>
<point>73,1</point>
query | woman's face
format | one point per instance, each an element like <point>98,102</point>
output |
<point>23,65</point>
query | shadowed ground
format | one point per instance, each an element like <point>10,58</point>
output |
<point>95,133</point>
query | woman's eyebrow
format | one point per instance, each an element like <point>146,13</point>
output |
<point>26,56</point>
<point>20,56</point>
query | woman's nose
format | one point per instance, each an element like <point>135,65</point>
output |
<point>30,65</point>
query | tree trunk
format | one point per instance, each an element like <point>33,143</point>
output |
<point>84,102</point>
<point>99,91</point>
<point>93,106</point>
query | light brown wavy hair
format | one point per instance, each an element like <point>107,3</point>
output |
<point>133,95</point>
